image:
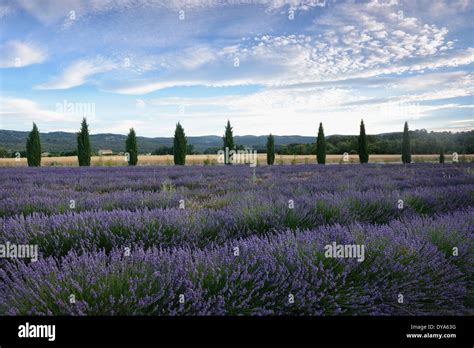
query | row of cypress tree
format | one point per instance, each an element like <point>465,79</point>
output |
<point>84,151</point>
<point>362,142</point>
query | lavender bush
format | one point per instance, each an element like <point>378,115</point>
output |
<point>403,257</point>
<point>218,241</point>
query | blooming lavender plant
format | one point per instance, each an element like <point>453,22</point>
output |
<point>402,257</point>
<point>217,241</point>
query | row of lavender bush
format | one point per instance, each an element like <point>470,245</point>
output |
<point>241,215</point>
<point>60,190</point>
<point>413,259</point>
<point>54,202</point>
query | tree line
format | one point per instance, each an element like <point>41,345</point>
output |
<point>181,147</point>
<point>422,142</point>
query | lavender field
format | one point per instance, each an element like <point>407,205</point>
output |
<point>223,240</point>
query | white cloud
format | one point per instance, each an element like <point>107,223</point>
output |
<point>283,61</point>
<point>338,69</point>
<point>140,104</point>
<point>285,109</point>
<point>449,12</point>
<point>376,39</point>
<point>25,110</point>
<point>144,86</point>
<point>20,53</point>
<point>5,10</point>
<point>456,126</point>
<point>77,73</point>
<point>51,11</point>
<point>194,57</point>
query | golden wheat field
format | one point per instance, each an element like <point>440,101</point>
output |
<point>212,160</point>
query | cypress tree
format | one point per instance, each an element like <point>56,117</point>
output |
<point>363,145</point>
<point>132,148</point>
<point>33,148</point>
<point>228,141</point>
<point>270,150</point>
<point>84,145</point>
<point>179,145</point>
<point>406,151</point>
<point>441,154</point>
<point>321,145</point>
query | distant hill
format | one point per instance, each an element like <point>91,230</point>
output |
<point>422,142</point>
<point>63,141</point>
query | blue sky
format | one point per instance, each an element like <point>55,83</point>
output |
<point>269,66</point>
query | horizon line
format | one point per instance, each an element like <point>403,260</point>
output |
<point>248,135</point>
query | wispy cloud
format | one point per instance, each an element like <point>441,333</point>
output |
<point>5,10</point>
<point>333,61</point>
<point>77,73</point>
<point>25,110</point>
<point>17,54</point>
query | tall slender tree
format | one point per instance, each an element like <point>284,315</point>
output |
<point>179,145</point>
<point>441,154</point>
<point>33,148</point>
<point>228,142</point>
<point>363,144</point>
<point>406,150</point>
<point>84,145</point>
<point>321,145</point>
<point>131,147</point>
<point>270,150</point>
